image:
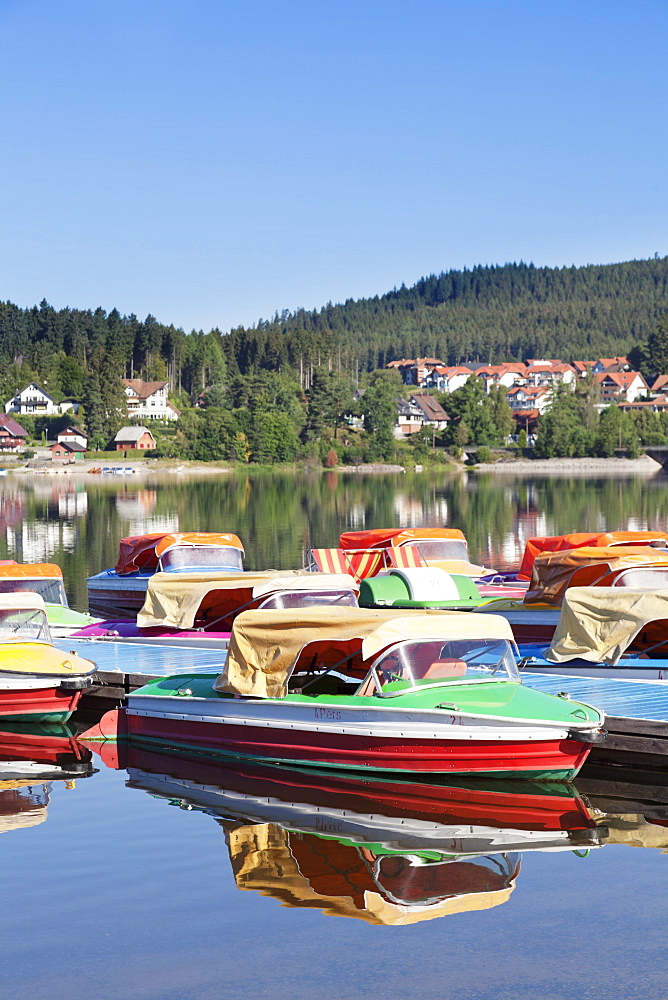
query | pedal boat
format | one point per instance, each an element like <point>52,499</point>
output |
<point>368,554</point>
<point>606,632</point>
<point>38,683</point>
<point>45,579</point>
<point>446,548</point>
<point>535,618</point>
<point>122,590</point>
<point>427,693</point>
<point>198,609</point>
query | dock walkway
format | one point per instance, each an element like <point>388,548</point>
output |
<point>636,714</point>
<point>124,666</point>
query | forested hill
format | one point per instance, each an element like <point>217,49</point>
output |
<point>489,314</point>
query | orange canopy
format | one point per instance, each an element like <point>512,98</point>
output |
<point>607,539</point>
<point>378,538</point>
<point>139,553</point>
<point>30,570</point>
<point>554,572</point>
<point>198,538</point>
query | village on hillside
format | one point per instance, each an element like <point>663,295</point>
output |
<point>529,387</point>
<point>144,400</point>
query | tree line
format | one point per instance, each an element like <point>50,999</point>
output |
<point>283,388</point>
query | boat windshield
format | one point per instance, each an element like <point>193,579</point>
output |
<point>24,625</point>
<point>50,590</point>
<point>193,558</point>
<point>440,548</point>
<point>642,579</point>
<point>309,599</point>
<point>413,664</point>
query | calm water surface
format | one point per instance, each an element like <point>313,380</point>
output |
<point>76,521</point>
<point>160,877</point>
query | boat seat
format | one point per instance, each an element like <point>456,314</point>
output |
<point>445,668</point>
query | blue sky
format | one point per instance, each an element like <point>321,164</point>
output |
<point>212,163</point>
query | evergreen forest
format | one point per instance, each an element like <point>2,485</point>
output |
<point>283,385</point>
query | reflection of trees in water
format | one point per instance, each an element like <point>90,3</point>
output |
<point>279,514</point>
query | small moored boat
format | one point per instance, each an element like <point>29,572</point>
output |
<point>606,632</point>
<point>122,590</point>
<point>45,579</point>
<point>38,683</point>
<point>423,693</point>
<point>198,609</point>
<point>535,618</point>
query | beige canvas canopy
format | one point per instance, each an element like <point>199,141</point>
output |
<point>173,600</point>
<point>22,600</point>
<point>262,858</point>
<point>266,645</point>
<point>555,572</point>
<point>599,623</point>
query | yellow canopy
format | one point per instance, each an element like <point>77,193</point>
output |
<point>599,623</point>
<point>265,645</point>
<point>263,861</point>
<point>174,599</point>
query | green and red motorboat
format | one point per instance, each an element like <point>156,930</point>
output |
<point>428,693</point>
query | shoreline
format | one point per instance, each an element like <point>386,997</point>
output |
<point>643,466</point>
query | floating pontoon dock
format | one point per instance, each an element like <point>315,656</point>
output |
<point>636,714</point>
<point>123,667</point>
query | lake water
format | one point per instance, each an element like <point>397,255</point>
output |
<point>166,878</point>
<point>76,521</point>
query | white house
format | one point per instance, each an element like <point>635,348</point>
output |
<point>447,379</point>
<point>72,435</point>
<point>433,414</point>
<point>409,418</point>
<point>548,375</point>
<point>149,399</point>
<point>33,399</point>
<point>526,397</point>
<point>618,387</point>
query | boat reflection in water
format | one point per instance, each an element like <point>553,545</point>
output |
<point>633,805</point>
<point>32,758</point>
<point>385,852</point>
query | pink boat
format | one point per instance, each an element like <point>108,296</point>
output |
<point>198,609</point>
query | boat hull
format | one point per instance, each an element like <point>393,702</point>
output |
<point>110,594</point>
<point>127,631</point>
<point>37,704</point>
<point>364,745</point>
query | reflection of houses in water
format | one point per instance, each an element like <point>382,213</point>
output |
<point>39,541</point>
<point>408,511</point>
<point>136,511</point>
<point>72,504</point>
<point>137,505</point>
<point>12,510</point>
<point>356,516</point>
